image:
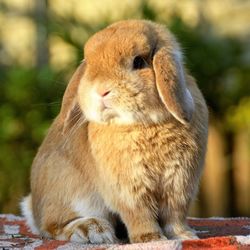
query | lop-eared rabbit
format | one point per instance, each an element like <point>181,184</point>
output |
<point>128,144</point>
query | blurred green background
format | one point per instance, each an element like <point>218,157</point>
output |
<point>41,45</point>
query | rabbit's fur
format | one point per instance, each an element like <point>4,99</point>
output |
<point>130,140</point>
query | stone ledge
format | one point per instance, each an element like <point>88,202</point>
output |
<point>215,233</point>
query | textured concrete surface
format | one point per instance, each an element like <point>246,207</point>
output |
<point>214,233</point>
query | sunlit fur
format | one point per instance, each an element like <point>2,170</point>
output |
<point>127,142</point>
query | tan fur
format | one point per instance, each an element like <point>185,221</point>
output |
<point>137,152</point>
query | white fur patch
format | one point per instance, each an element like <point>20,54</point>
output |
<point>26,208</point>
<point>93,113</point>
<point>156,116</point>
<point>125,118</point>
<point>90,206</point>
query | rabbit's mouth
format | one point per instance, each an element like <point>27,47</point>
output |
<point>107,112</point>
<point>108,115</point>
<point>113,116</point>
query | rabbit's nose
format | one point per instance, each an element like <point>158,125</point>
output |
<point>103,92</point>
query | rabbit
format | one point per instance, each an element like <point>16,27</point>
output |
<point>128,144</point>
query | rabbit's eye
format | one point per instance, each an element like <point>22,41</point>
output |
<point>139,63</point>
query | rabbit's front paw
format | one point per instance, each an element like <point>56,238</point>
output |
<point>147,237</point>
<point>185,235</point>
<point>90,230</point>
<point>180,232</point>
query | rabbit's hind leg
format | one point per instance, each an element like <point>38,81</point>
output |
<point>88,230</point>
<point>89,221</point>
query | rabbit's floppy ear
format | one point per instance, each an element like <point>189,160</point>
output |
<point>171,84</point>
<point>70,110</point>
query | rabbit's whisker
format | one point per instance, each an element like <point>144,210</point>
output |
<point>80,121</point>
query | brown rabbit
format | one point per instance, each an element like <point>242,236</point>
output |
<point>130,140</point>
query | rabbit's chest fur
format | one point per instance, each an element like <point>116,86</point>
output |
<point>138,163</point>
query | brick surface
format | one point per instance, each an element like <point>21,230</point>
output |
<point>214,233</point>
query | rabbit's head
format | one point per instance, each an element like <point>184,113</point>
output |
<point>134,74</point>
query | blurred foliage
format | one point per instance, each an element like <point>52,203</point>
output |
<point>217,63</point>
<point>30,96</point>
